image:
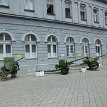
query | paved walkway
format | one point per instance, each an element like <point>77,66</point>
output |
<point>76,89</point>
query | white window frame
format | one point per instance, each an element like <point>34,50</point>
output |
<point>4,43</point>
<point>69,44</point>
<point>30,43</point>
<point>29,4</point>
<point>50,2</point>
<point>68,5</point>
<point>98,51</point>
<point>85,48</point>
<point>52,44</point>
<point>83,11</point>
<point>105,17</point>
<point>96,15</point>
<point>4,2</point>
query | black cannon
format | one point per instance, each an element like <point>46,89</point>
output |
<point>10,67</point>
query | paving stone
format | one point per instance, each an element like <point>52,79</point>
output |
<point>76,89</point>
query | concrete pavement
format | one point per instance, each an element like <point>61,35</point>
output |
<point>76,89</point>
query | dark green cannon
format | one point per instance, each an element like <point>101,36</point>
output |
<point>10,67</point>
<point>64,65</point>
<point>87,61</point>
<point>92,63</point>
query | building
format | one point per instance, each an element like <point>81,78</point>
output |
<point>44,31</point>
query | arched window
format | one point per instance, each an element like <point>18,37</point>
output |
<point>30,46</point>
<point>70,45</point>
<point>98,47</point>
<point>52,46</point>
<point>85,47</point>
<point>5,45</point>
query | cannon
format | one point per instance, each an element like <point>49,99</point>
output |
<point>91,63</point>
<point>10,67</point>
<point>87,61</point>
<point>64,65</point>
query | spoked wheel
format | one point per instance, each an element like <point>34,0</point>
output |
<point>94,65</point>
<point>4,75</point>
<point>64,71</point>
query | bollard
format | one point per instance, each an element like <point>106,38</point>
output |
<point>39,73</point>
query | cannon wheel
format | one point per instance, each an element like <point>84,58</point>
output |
<point>94,65</point>
<point>13,73</point>
<point>4,75</point>
<point>64,71</point>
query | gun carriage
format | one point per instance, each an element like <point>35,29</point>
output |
<point>10,67</point>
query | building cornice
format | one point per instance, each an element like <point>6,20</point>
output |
<point>50,20</point>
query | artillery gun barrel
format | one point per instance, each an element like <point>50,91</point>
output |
<point>102,55</point>
<point>78,59</point>
<point>20,59</point>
